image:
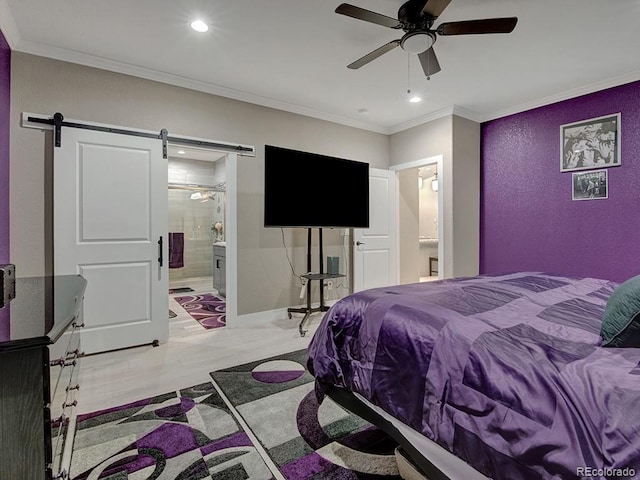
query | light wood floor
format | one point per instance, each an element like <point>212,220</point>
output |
<point>115,378</point>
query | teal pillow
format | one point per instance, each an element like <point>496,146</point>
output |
<point>621,320</point>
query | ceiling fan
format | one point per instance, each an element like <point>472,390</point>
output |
<point>416,19</point>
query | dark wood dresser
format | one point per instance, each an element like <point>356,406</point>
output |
<point>39,355</point>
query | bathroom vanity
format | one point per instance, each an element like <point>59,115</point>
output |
<point>219,269</point>
<point>428,256</point>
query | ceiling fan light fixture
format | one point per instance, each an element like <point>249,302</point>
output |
<point>417,42</point>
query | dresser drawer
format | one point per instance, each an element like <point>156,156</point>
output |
<point>64,360</point>
<point>66,355</point>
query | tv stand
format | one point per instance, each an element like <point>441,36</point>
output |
<point>321,276</point>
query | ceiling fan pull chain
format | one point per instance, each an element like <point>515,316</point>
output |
<point>408,74</point>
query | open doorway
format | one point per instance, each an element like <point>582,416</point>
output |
<point>197,223</point>
<point>428,240</point>
<point>420,220</point>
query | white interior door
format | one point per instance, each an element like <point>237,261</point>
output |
<point>110,212</point>
<point>375,248</point>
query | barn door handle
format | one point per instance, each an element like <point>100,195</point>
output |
<point>161,249</point>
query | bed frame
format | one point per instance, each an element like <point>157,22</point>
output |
<point>349,401</point>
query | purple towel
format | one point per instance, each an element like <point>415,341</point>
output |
<point>176,246</point>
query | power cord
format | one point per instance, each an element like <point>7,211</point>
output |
<point>289,259</point>
<point>345,252</point>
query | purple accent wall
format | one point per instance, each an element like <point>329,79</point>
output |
<point>528,221</point>
<point>5,90</point>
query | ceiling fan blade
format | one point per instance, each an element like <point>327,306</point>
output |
<point>470,27</point>
<point>435,7</point>
<point>429,62</point>
<point>373,55</point>
<point>367,16</point>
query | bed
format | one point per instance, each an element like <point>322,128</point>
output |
<point>505,374</point>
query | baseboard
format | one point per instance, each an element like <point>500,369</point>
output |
<point>256,319</point>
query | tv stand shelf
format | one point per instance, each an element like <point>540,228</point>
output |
<point>321,276</point>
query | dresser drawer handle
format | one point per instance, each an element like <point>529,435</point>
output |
<point>58,361</point>
<point>77,387</point>
<point>72,404</point>
<point>77,325</point>
<point>61,420</point>
<point>74,353</point>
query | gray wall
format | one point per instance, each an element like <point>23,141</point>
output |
<point>466,200</point>
<point>428,140</point>
<point>41,85</point>
<point>458,141</point>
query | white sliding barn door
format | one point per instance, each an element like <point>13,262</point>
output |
<point>375,248</point>
<point>110,211</point>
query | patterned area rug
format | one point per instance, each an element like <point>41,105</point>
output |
<point>307,441</point>
<point>207,309</point>
<point>185,435</point>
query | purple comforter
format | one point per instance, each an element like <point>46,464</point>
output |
<point>506,372</point>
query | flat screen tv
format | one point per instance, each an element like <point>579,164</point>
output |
<point>309,190</point>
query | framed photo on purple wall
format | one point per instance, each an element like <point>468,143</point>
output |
<point>590,185</point>
<point>588,144</point>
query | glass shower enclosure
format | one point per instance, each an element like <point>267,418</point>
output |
<point>196,222</point>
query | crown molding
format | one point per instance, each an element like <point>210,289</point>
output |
<point>8,25</point>
<point>185,82</point>
<point>12,35</point>
<point>430,117</point>
<point>567,95</point>
<point>465,113</point>
<point>443,112</point>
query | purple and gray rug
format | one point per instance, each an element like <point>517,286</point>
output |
<point>207,309</point>
<point>306,441</point>
<point>188,435</point>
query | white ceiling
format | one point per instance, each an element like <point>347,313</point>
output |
<point>292,54</point>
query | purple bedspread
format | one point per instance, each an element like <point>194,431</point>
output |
<point>506,372</point>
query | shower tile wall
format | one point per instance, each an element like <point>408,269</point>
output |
<point>195,218</point>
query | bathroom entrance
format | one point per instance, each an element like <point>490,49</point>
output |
<point>428,186</point>
<point>197,221</point>
<point>421,220</point>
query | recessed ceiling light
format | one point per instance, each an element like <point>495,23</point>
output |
<point>415,99</point>
<point>199,26</point>
<point>181,152</point>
